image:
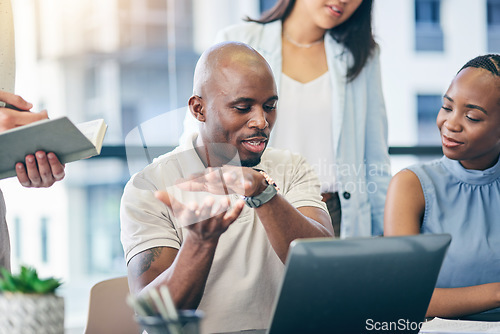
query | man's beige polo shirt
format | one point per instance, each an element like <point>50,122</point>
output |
<point>246,272</point>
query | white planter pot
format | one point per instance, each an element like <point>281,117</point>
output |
<point>31,313</point>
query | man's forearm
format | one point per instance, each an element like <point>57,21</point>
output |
<point>187,276</point>
<point>284,223</point>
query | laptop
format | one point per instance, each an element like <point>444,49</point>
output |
<point>362,285</point>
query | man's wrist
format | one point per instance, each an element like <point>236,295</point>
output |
<point>266,190</point>
<point>201,242</point>
<point>261,182</point>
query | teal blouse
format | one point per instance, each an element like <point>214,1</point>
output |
<point>466,204</point>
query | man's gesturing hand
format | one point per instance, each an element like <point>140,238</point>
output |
<point>225,180</point>
<point>208,220</point>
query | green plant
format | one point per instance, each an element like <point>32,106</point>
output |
<point>27,281</point>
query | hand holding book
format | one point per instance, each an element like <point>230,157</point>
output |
<point>40,169</point>
<point>67,141</point>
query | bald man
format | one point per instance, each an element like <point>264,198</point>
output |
<point>213,220</point>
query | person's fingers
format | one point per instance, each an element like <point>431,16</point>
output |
<point>224,205</point>
<point>213,175</point>
<point>248,187</point>
<point>230,176</point>
<point>44,170</point>
<point>217,181</point>
<point>217,208</point>
<point>23,118</point>
<point>56,167</point>
<point>188,215</point>
<point>32,169</point>
<point>15,100</point>
<point>192,207</point>
<point>206,225</point>
<point>204,212</point>
<point>232,214</point>
<point>22,175</point>
<point>192,184</point>
<point>234,180</point>
<point>43,114</point>
<point>10,119</point>
<point>38,170</point>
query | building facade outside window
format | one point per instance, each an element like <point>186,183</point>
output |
<point>266,4</point>
<point>493,19</point>
<point>44,242</point>
<point>428,32</point>
<point>428,106</point>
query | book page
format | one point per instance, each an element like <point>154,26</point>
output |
<point>93,130</point>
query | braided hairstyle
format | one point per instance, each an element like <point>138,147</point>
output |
<point>489,62</point>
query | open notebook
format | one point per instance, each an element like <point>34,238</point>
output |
<point>68,141</point>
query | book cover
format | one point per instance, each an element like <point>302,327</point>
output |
<point>68,141</point>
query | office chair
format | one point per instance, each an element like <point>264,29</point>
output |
<point>108,309</point>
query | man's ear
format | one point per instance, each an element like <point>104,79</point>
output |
<point>196,106</point>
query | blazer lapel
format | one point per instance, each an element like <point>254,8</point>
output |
<point>337,66</point>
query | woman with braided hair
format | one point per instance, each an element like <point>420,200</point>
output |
<point>459,194</point>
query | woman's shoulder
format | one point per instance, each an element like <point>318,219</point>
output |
<point>415,175</point>
<point>406,179</point>
<point>431,165</point>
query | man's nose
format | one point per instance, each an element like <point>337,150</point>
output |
<point>258,119</point>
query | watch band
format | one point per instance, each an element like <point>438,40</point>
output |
<point>265,196</point>
<point>268,178</point>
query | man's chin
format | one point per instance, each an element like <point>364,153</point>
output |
<point>251,162</point>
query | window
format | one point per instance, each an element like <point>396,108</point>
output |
<point>104,250</point>
<point>266,4</point>
<point>493,17</point>
<point>428,33</point>
<point>44,235</point>
<point>18,237</point>
<point>427,109</point>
